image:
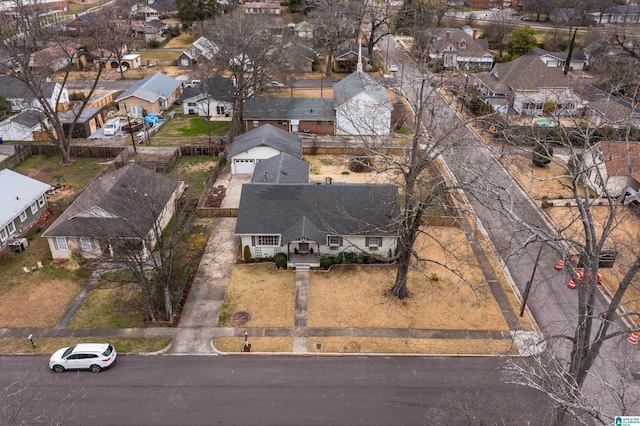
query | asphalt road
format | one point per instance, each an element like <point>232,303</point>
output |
<point>258,390</point>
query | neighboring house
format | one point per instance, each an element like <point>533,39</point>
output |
<point>27,125</point>
<point>282,168</point>
<point>306,221</point>
<point>201,50</point>
<point>458,50</point>
<point>123,210</point>
<point>22,97</point>
<point>23,201</point>
<point>559,59</point>
<point>530,87</point>
<point>52,59</point>
<point>88,123</point>
<point>158,9</point>
<point>612,112</point>
<point>614,168</point>
<point>362,106</point>
<point>82,25</point>
<point>622,14</point>
<point>209,98</point>
<point>151,95</point>
<point>309,57</point>
<point>308,115</point>
<point>259,144</point>
<point>154,30</point>
<point>271,7</point>
<point>482,4</point>
<point>304,29</point>
<point>348,55</point>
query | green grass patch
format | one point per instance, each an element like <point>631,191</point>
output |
<point>49,169</point>
<point>50,345</point>
<point>164,57</point>
<point>111,304</point>
<point>182,126</point>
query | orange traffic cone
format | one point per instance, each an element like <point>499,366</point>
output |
<point>559,265</point>
<point>633,339</point>
<point>572,258</point>
<point>572,284</point>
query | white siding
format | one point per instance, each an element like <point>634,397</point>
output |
<point>363,115</point>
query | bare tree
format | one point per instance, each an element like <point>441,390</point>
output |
<point>380,16</point>
<point>22,35</point>
<point>335,21</point>
<point>497,31</point>
<point>245,47</point>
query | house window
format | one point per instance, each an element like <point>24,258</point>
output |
<point>34,208</point>
<point>184,62</point>
<point>3,234</point>
<point>136,110</point>
<point>282,122</point>
<point>11,228</point>
<point>220,110</point>
<point>41,201</point>
<point>334,241</point>
<point>61,243</point>
<point>265,240</point>
<point>256,124</point>
<point>330,123</point>
<point>192,104</point>
<point>258,252</point>
<point>193,52</point>
<point>85,244</point>
<point>23,216</point>
<point>373,242</point>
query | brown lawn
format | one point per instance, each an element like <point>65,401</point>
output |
<point>337,168</point>
<point>183,41</point>
<point>540,181</point>
<point>623,238</point>
<point>267,296</point>
<point>422,346</point>
<point>258,344</point>
<point>48,345</point>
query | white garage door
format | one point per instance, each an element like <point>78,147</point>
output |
<point>243,166</point>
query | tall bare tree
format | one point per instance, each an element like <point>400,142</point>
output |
<point>22,35</point>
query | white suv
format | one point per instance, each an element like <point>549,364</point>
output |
<point>83,356</point>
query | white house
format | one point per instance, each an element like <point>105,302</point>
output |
<point>23,202</point>
<point>613,167</point>
<point>362,105</point>
<point>209,98</point>
<point>559,59</point>
<point>530,87</point>
<point>22,97</point>
<point>306,221</point>
<point>22,126</point>
<point>260,144</point>
<point>459,50</point>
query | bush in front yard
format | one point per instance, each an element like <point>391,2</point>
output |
<point>247,254</point>
<point>281,260</point>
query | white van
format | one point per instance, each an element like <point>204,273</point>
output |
<point>112,127</point>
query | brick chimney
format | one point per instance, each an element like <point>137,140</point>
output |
<point>475,34</point>
<point>447,36</point>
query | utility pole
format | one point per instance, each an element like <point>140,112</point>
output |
<point>525,296</point>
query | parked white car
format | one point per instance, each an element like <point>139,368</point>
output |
<point>393,68</point>
<point>122,68</point>
<point>83,356</point>
<point>112,127</point>
<point>274,84</point>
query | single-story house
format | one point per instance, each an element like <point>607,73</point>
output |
<point>530,86</point>
<point>308,115</point>
<point>150,95</point>
<point>362,106</point>
<point>201,50</point>
<point>348,55</point>
<point>621,14</point>
<point>282,168</point>
<point>458,50</point>
<point>271,7</point>
<point>132,61</point>
<point>119,212</point>
<point>27,125</point>
<point>154,30</point>
<point>306,221</point>
<point>259,144</point>
<point>559,59</point>
<point>22,97</point>
<point>613,167</point>
<point>23,202</point>
<point>53,58</point>
<point>211,97</point>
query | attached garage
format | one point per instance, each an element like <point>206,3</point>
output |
<point>243,166</point>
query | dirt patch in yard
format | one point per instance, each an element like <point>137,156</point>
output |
<point>550,181</point>
<point>337,168</point>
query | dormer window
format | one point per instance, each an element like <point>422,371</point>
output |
<point>462,44</point>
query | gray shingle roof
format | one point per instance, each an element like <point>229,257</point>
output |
<point>152,88</point>
<point>524,73</point>
<point>124,203</point>
<point>356,83</point>
<point>575,56</point>
<point>315,211</point>
<point>29,117</point>
<point>17,193</point>
<point>13,88</point>
<point>283,168</point>
<point>267,135</point>
<point>267,108</point>
<point>350,47</point>
<point>472,48</point>
<point>218,87</point>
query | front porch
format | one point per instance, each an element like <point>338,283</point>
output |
<point>311,260</point>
